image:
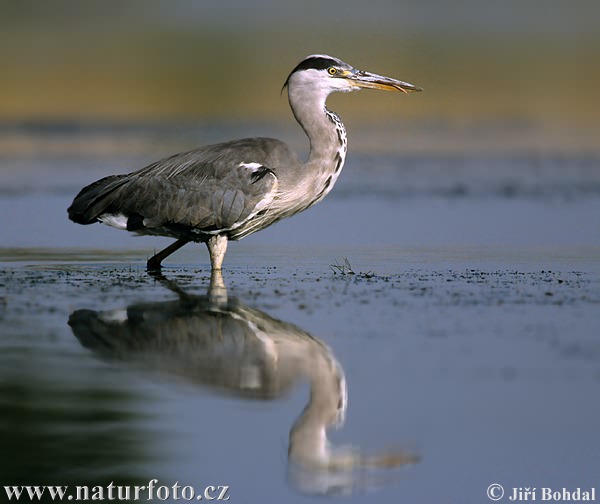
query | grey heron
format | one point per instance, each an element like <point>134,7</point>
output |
<point>229,190</point>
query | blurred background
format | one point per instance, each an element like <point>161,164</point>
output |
<point>517,74</point>
<point>495,166</point>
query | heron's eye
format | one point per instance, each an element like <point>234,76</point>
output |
<point>332,70</point>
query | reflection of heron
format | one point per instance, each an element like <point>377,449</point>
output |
<point>230,190</point>
<point>219,342</point>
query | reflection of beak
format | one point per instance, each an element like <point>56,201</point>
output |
<point>373,81</point>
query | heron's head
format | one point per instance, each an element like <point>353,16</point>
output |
<point>325,74</point>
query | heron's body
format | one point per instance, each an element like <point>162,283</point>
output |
<point>227,191</point>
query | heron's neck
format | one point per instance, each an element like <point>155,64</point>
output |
<point>326,408</point>
<point>325,131</point>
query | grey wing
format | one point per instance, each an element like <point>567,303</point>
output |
<point>192,195</point>
<point>203,199</point>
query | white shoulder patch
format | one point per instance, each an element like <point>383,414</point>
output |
<point>251,166</point>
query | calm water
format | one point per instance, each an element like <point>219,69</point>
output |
<point>462,352</point>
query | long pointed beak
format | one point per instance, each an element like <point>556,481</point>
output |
<point>368,80</point>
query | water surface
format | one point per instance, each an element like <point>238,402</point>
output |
<point>465,335</point>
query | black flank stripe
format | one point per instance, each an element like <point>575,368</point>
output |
<point>135,222</point>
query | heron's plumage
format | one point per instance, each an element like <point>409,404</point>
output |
<point>229,190</point>
<point>194,194</point>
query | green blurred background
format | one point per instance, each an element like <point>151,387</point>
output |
<point>515,61</point>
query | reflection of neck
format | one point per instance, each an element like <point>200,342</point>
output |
<point>326,407</point>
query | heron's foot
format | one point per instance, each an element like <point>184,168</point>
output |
<point>153,265</point>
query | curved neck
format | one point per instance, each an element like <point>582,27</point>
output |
<point>324,128</point>
<point>328,143</point>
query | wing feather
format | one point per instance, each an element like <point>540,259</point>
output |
<point>214,188</point>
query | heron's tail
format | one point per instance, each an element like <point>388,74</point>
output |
<point>94,199</point>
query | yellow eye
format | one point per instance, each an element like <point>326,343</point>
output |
<point>332,70</point>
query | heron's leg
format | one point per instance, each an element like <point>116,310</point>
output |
<point>217,246</point>
<point>154,262</point>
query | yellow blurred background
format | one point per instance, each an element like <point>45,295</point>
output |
<point>516,61</point>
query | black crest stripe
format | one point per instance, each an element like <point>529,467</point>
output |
<point>314,63</point>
